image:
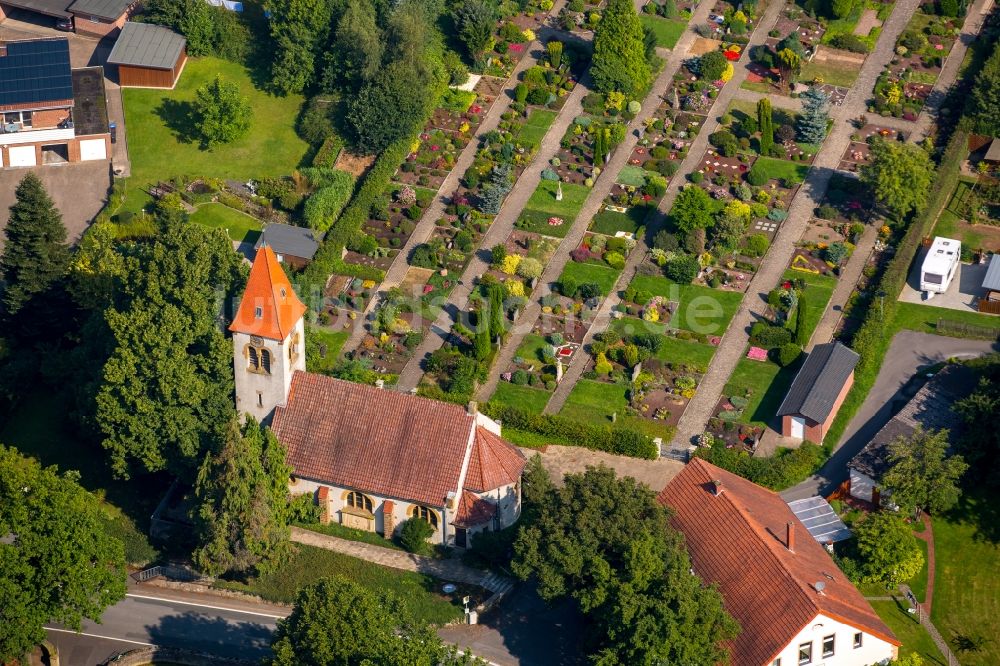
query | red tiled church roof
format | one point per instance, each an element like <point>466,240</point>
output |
<point>392,444</point>
<point>473,510</point>
<point>737,540</point>
<point>268,290</point>
<point>493,463</point>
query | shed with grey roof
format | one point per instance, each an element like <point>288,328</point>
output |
<point>817,392</point>
<point>991,281</point>
<point>295,246</point>
<point>148,56</point>
<point>109,10</point>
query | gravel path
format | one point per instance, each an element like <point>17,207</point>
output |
<point>849,276</point>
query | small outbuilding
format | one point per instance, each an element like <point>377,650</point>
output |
<point>148,56</point>
<point>295,246</point>
<point>993,152</point>
<point>818,391</point>
<point>991,281</point>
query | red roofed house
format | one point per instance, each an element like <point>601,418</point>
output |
<point>794,605</point>
<point>372,457</point>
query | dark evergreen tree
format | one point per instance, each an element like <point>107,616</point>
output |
<point>35,256</point>
<point>766,126</point>
<point>242,492</point>
<point>619,62</point>
<point>815,116</point>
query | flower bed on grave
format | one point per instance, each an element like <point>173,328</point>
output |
<point>394,217</point>
<point>725,428</point>
<point>623,212</point>
<point>393,333</point>
<point>583,150</point>
<point>581,16</point>
<point>537,361</point>
<point>548,83</point>
<point>431,158</point>
<point>345,299</point>
<point>743,124</point>
<point>859,152</point>
<point>509,46</point>
<point>735,21</point>
<point>461,112</point>
<point>693,94</point>
<point>522,256</point>
<point>452,243</point>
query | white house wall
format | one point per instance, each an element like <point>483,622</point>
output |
<point>872,651</point>
<point>862,486</point>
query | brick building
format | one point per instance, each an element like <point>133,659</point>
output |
<point>817,392</point>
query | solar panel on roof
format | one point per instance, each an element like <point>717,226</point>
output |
<point>36,71</point>
<point>820,520</point>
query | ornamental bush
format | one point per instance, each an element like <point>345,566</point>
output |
<point>323,208</point>
<point>757,245</point>
<point>413,535</point>
<point>768,336</point>
<point>757,176</point>
<point>683,269</point>
<point>787,354</point>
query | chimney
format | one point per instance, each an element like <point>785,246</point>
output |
<point>473,408</point>
<point>716,487</point>
<point>790,537</point>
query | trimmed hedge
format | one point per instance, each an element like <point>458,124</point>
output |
<point>324,206</point>
<point>328,259</point>
<point>619,440</point>
<point>328,153</point>
<point>782,470</point>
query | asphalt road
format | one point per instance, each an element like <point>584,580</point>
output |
<point>898,380</point>
<point>206,624</point>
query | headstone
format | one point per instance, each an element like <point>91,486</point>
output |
<point>559,370</point>
<point>636,370</point>
<point>559,191</point>
<point>614,417</point>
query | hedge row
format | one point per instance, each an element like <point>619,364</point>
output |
<point>328,153</point>
<point>782,470</point>
<point>328,259</point>
<point>619,440</point>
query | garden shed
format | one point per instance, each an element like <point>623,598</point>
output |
<point>817,392</point>
<point>295,246</point>
<point>148,56</point>
<point>991,281</point>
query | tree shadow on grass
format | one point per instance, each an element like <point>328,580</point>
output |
<point>180,118</point>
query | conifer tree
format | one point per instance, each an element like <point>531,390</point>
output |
<point>815,115</point>
<point>35,256</point>
<point>619,62</point>
<point>766,126</point>
<point>243,502</point>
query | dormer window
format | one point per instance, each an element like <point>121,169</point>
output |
<point>258,312</point>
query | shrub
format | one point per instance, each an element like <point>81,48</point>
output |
<point>712,65</point>
<point>521,93</point>
<point>696,177</point>
<point>787,354</point>
<point>589,290</point>
<point>497,254</point>
<point>664,240</point>
<point>529,268</point>
<point>768,336</point>
<point>757,245</point>
<point>826,212</point>
<point>615,260</point>
<point>836,253</point>
<point>849,43</point>
<point>683,269</point>
<point>785,468</point>
<point>413,535</point>
<point>757,176</point>
<point>324,207</point>
<point>520,377</point>
<point>568,287</point>
<point>538,96</point>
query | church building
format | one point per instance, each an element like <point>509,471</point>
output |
<point>372,458</point>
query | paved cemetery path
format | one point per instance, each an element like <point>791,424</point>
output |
<point>425,226</point>
<point>735,340</point>
<point>602,188</point>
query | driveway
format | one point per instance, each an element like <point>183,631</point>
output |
<point>898,381</point>
<point>79,191</point>
<point>965,288</point>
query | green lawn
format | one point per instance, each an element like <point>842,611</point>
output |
<point>38,427</point>
<point>536,126</point>
<point>947,222</point>
<point>914,637</point>
<point>924,318</point>
<point>582,273</point>
<point>768,383</point>
<point>542,205</point>
<point>783,169</point>
<point>159,125</point>
<point>351,534</point>
<point>702,309</point>
<point>523,397</point>
<point>309,564</point>
<point>672,350</point>
<point>667,31</point>
<point>839,74</point>
<point>323,360</point>
<point>610,222</point>
<point>632,175</point>
<point>966,585</point>
<point>531,349</point>
<point>819,289</point>
<point>595,402</point>
<point>240,226</point>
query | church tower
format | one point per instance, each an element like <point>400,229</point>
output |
<point>268,338</point>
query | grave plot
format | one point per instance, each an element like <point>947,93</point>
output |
<point>689,93</point>
<point>588,142</point>
<point>394,216</point>
<point>680,307</point>
<point>734,20</point>
<point>552,208</point>
<point>718,172</point>
<point>488,89</point>
<point>521,257</point>
<point>834,70</point>
<point>548,83</point>
<point>846,200</point>
<point>742,122</point>
<point>345,299</point>
<point>858,153</point>
<point>460,112</point>
<point>432,158</point>
<point>623,212</point>
<point>533,17</point>
<point>394,331</point>
<point>452,243</point>
<point>666,140</point>
<point>581,16</point>
<point>537,367</point>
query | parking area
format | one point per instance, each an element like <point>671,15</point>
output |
<point>964,290</point>
<point>79,191</point>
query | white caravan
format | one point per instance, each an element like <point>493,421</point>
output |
<point>940,265</point>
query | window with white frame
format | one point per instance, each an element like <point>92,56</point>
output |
<point>828,643</point>
<point>805,653</point>
<point>858,638</point>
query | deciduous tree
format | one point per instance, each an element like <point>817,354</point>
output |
<point>338,621</point>
<point>607,543</point>
<point>299,30</point>
<point>242,492</point>
<point>356,50</point>
<point>887,548</point>
<point>57,561</point>
<point>922,476</point>
<point>222,113</point>
<point>475,21</point>
<point>692,209</point>
<point>899,174</point>
<point>619,62</point>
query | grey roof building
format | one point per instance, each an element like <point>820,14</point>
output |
<point>105,9</point>
<point>930,409</point>
<point>819,382</point>
<point>293,245</point>
<point>991,282</point>
<point>147,45</point>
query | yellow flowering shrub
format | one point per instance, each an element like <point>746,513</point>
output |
<point>510,263</point>
<point>514,288</point>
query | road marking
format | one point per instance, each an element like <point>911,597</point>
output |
<point>221,608</point>
<point>108,638</point>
